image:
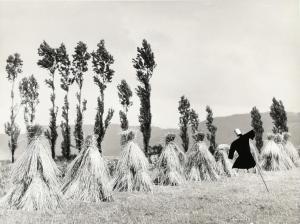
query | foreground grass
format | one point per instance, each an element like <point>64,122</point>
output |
<point>241,199</point>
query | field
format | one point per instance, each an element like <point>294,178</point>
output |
<point>242,199</point>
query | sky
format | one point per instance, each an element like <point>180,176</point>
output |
<point>231,55</point>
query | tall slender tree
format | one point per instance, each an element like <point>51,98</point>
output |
<point>64,68</point>
<point>212,129</point>
<point>144,64</point>
<point>184,111</point>
<point>125,94</point>
<point>29,92</point>
<point>80,67</point>
<point>48,61</point>
<point>101,62</point>
<point>13,68</point>
<point>194,121</point>
<point>279,116</point>
<point>257,125</point>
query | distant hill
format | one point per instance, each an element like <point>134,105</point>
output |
<point>225,125</point>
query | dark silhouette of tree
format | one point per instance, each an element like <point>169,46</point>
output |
<point>101,62</point>
<point>125,94</point>
<point>184,111</point>
<point>48,61</point>
<point>13,68</point>
<point>64,68</point>
<point>80,67</point>
<point>29,88</point>
<point>194,121</point>
<point>144,64</point>
<point>257,125</point>
<point>279,116</point>
<point>155,150</point>
<point>212,129</point>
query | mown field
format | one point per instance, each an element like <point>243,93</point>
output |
<point>242,199</point>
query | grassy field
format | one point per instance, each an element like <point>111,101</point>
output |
<point>242,199</point>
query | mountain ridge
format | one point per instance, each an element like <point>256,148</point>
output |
<point>225,125</point>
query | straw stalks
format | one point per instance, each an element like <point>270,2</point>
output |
<point>291,149</point>
<point>201,165</point>
<point>171,164</point>
<point>224,166</point>
<point>132,169</point>
<point>271,156</point>
<point>34,180</point>
<point>87,176</point>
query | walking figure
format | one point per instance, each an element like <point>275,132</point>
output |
<point>245,159</point>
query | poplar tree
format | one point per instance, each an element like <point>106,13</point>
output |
<point>64,68</point>
<point>184,111</point>
<point>144,64</point>
<point>29,88</point>
<point>48,61</point>
<point>125,94</point>
<point>13,68</point>
<point>101,63</point>
<point>194,121</point>
<point>212,129</point>
<point>279,116</point>
<point>80,67</point>
<point>257,126</point>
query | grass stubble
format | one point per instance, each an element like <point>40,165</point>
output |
<point>240,199</point>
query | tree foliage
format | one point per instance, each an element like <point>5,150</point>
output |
<point>64,68</point>
<point>279,116</point>
<point>101,63</point>
<point>29,92</point>
<point>13,68</point>
<point>184,111</point>
<point>257,126</point>
<point>125,94</point>
<point>194,121</point>
<point>212,129</point>
<point>48,61</point>
<point>80,67</point>
<point>144,64</point>
<point>155,149</point>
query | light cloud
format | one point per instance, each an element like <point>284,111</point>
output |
<point>232,55</point>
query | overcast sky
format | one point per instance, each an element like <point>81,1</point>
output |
<point>231,55</point>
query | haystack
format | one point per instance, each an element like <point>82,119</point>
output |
<point>288,163</point>
<point>132,169</point>
<point>224,165</point>
<point>271,155</point>
<point>86,178</point>
<point>201,165</point>
<point>171,163</point>
<point>224,147</point>
<point>290,149</point>
<point>34,178</point>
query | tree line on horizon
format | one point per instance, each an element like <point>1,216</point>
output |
<point>72,69</point>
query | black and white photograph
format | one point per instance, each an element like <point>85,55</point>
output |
<point>150,112</point>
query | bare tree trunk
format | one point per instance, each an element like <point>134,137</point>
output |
<point>12,156</point>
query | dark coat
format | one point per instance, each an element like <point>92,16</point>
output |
<point>241,145</point>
